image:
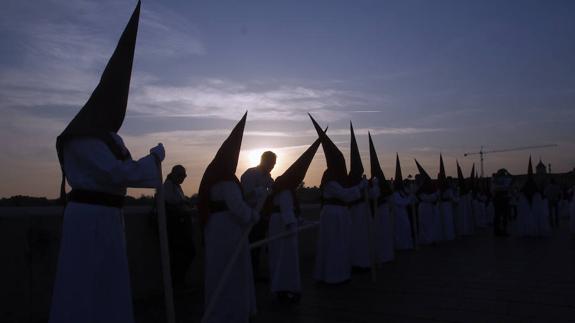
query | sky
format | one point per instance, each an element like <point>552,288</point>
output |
<point>424,77</point>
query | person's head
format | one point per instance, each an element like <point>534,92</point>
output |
<point>267,161</point>
<point>178,174</point>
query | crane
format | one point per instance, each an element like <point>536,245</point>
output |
<point>482,152</point>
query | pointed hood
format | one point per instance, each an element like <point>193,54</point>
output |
<point>295,174</point>
<point>222,168</point>
<point>530,187</point>
<point>422,171</point>
<point>376,170</point>
<point>441,177</point>
<point>472,187</point>
<point>355,164</point>
<point>427,185</point>
<point>105,110</point>
<point>461,179</point>
<point>336,170</point>
<point>398,180</point>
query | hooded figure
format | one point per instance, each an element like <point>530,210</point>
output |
<point>402,211</point>
<point>532,211</point>
<point>225,216</point>
<point>92,280</point>
<point>284,253</point>
<point>359,210</point>
<point>333,258</point>
<point>445,206</point>
<point>463,221</point>
<point>383,222</point>
<point>398,180</point>
<point>336,170</point>
<point>430,224</point>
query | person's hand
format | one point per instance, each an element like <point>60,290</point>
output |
<point>255,217</point>
<point>158,152</point>
<point>363,184</point>
<point>291,227</point>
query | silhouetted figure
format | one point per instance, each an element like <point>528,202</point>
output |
<point>284,208</point>
<point>179,226</point>
<point>359,211</point>
<point>93,280</point>
<point>225,217</point>
<point>333,259</point>
<point>254,180</point>
<point>553,194</point>
<point>383,215</point>
<point>501,187</point>
<point>402,201</point>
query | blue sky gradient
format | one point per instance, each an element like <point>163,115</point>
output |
<point>423,76</point>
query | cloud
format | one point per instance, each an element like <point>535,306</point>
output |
<point>225,99</point>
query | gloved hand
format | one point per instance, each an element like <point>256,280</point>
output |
<point>291,227</point>
<point>159,152</point>
<point>374,192</point>
<point>363,184</point>
<point>255,217</point>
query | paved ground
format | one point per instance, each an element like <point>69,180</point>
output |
<point>473,279</point>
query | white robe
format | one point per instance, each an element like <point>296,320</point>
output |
<point>403,234</point>
<point>333,259</point>
<point>479,211</point>
<point>445,208</point>
<point>222,234</point>
<point>532,218</point>
<point>428,218</point>
<point>360,253</point>
<point>572,215</point>
<point>465,213</point>
<point>384,232</point>
<point>93,280</point>
<point>284,253</point>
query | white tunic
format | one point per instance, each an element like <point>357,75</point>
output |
<point>428,218</point>
<point>445,208</point>
<point>532,218</point>
<point>479,211</point>
<point>333,261</point>
<point>403,234</point>
<point>384,232</point>
<point>222,234</point>
<point>465,212</point>
<point>93,280</point>
<point>572,215</point>
<point>360,254</point>
<point>284,253</point>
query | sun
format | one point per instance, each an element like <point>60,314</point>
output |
<point>254,156</point>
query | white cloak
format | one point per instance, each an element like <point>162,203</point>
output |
<point>384,232</point>
<point>403,235</point>
<point>93,280</point>
<point>445,209</point>
<point>333,259</point>
<point>222,234</point>
<point>359,214</point>
<point>284,253</point>
<point>428,218</point>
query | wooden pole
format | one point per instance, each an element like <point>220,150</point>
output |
<point>370,234</point>
<point>164,250</point>
<point>282,235</point>
<point>229,266</point>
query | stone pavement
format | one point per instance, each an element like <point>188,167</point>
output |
<point>478,278</point>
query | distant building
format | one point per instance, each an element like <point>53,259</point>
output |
<point>540,169</point>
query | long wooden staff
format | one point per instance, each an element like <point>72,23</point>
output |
<point>229,266</point>
<point>282,235</point>
<point>164,249</point>
<point>371,233</point>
